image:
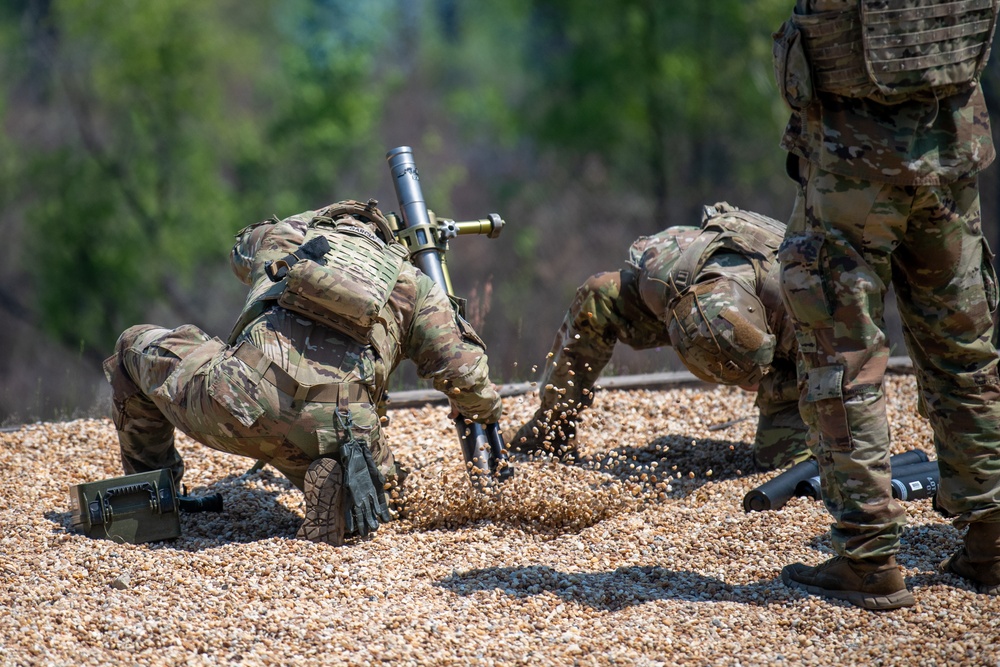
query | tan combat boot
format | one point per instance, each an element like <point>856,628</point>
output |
<point>872,584</point>
<point>324,491</point>
<point>978,561</point>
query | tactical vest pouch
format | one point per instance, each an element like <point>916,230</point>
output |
<point>134,508</point>
<point>832,46</point>
<point>791,67</point>
<point>348,291</point>
<point>752,233</point>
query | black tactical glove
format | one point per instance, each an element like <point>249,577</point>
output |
<point>365,488</point>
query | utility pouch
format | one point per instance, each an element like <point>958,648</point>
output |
<point>349,289</point>
<point>791,67</point>
<point>753,233</point>
<point>832,46</point>
<point>134,508</point>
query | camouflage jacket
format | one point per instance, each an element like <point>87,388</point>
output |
<point>919,140</point>
<point>424,328</point>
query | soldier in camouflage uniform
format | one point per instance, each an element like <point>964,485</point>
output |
<point>887,136</point>
<point>286,389</point>
<point>710,292</point>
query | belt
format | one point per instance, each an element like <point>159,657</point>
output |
<point>334,392</point>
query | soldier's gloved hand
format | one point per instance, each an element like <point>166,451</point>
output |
<point>364,485</point>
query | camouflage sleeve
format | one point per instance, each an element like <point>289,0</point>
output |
<point>447,351</point>
<point>266,240</point>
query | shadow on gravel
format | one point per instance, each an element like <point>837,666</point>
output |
<point>612,591</point>
<point>251,512</point>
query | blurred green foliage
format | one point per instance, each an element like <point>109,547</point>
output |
<point>167,123</point>
<point>139,136</point>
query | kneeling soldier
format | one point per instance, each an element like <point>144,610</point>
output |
<point>333,308</point>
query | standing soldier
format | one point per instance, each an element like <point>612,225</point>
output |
<point>333,309</point>
<point>888,133</point>
<point>711,292</point>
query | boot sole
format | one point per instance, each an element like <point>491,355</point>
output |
<point>903,598</point>
<point>324,491</point>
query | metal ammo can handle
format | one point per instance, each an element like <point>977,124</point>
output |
<point>161,502</point>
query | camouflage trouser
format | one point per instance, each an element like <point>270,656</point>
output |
<point>164,379</point>
<point>847,239</point>
<point>607,310</point>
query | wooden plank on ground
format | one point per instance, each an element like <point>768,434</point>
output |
<point>669,380</point>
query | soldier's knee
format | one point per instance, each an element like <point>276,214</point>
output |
<point>123,385</point>
<point>130,337</point>
<point>818,266</point>
<point>114,366</point>
<point>782,439</point>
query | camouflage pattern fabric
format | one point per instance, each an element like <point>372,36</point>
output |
<point>882,50</point>
<point>847,241</point>
<point>165,379</point>
<point>720,332</point>
<point>916,140</point>
<point>888,196</point>
<point>609,309</point>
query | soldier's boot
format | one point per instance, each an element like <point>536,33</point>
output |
<point>871,584</point>
<point>978,561</point>
<point>324,492</point>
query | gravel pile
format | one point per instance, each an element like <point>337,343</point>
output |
<point>640,554</point>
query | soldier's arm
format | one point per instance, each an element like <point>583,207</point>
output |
<point>267,240</point>
<point>447,351</point>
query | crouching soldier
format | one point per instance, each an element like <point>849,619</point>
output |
<point>333,308</point>
<point>711,293</point>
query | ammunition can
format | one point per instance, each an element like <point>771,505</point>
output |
<point>134,508</point>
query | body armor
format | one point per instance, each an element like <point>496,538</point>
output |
<point>886,48</point>
<point>348,288</point>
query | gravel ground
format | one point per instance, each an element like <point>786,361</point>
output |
<point>640,554</point>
